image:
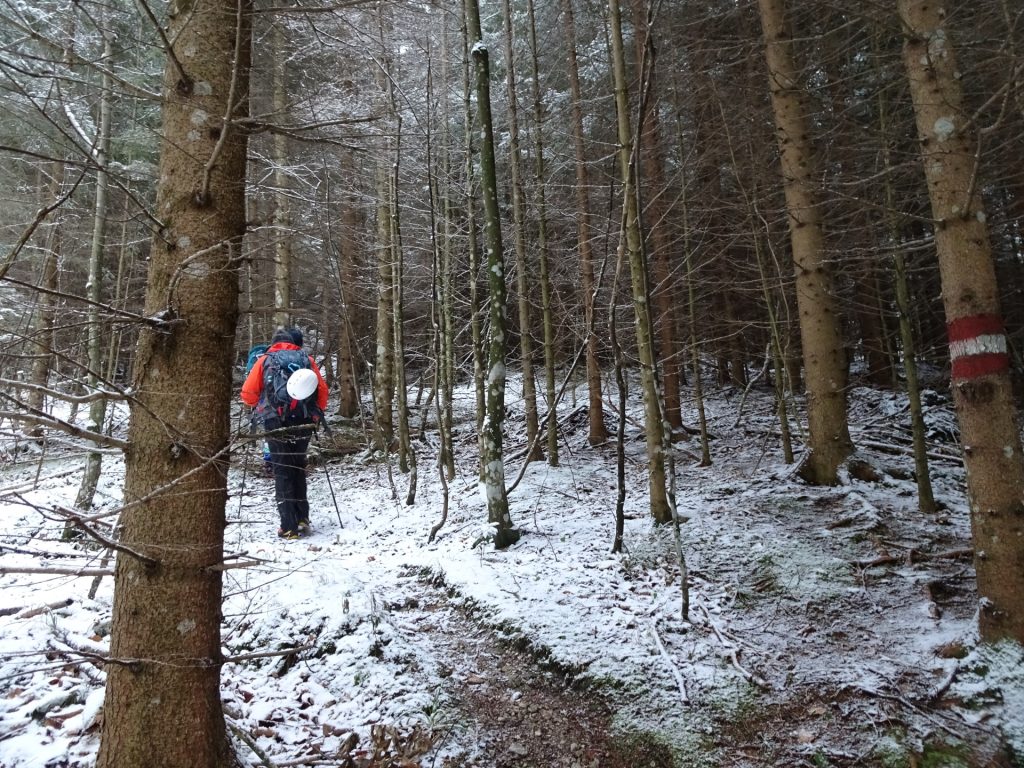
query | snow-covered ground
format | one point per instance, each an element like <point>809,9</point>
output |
<point>796,649</point>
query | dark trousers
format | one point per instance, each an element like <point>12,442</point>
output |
<point>288,458</point>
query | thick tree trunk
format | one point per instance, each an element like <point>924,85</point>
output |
<point>163,704</point>
<point>823,354</point>
<point>980,364</point>
<point>595,409</point>
<point>653,425</point>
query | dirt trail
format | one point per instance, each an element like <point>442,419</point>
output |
<point>513,713</point>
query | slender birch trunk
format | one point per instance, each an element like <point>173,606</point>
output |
<point>472,245</point>
<point>492,458</point>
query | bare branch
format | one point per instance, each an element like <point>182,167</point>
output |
<point>100,394</point>
<point>56,571</point>
<point>40,217</point>
<point>75,519</point>
<point>40,419</point>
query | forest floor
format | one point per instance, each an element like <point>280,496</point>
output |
<point>826,626</point>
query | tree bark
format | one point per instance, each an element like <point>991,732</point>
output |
<point>163,704</point>
<point>384,369</point>
<point>653,426</point>
<point>492,458</point>
<point>98,407</point>
<point>44,330</point>
<point>351,223</point>
<point>551,425</point>
<point>651,164</point>
<point>535,452</point>
<point>980,364</point>
<point>823,354</point>
<point>595,408</point>
<point>282,212</point>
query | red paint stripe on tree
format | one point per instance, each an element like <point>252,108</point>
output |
<point>977,325</point>
<point>974,366</point>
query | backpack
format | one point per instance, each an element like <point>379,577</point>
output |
<point>254,354</point>
<point>276,408</point>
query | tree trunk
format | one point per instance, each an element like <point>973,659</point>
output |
<point>445,286</point>
<point>44,330</point>
<point>823,354</point>
<point>535,453</point>
<point>980,364</point>
<point>282,213</point>
<point>384,370</point>
<point>651,164</point>
<point>492,458</point>
<point>653,425</point>
<point>163,702</point>
<point>922,472</point>
<point>98,407</point>
<point>472,246</point>
<point>542,247</point>
<point>595,409</point>
<point>351,223</point>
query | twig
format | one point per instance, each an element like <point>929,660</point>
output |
<point>251,744</point>
<point>203,195</point>
<point>234,566</point>
<point>913,556</point>
<point>28,613</point>
<point>64,426</point>
<point>266,654</point>
<point>668,660</point>
<point>910,705</point>
<point>944,685</point>
<point>76,521</point>
<point>733,653</point>
<point>56,570</point>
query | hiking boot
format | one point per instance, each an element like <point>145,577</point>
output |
<point>304,527</point>
<point>283,534</point>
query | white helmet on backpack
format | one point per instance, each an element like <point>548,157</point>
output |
<point>302,384</point>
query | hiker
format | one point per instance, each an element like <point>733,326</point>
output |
<point>289,397</point>
<point>255,353</point>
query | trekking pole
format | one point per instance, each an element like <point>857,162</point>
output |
<point>245,464</point>
<point>330,485</point>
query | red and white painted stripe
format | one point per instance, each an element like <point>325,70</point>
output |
<point>977,346</point>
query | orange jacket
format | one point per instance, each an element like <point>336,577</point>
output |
<point>253,386</point>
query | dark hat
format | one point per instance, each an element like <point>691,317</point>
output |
<point>288,336</point>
